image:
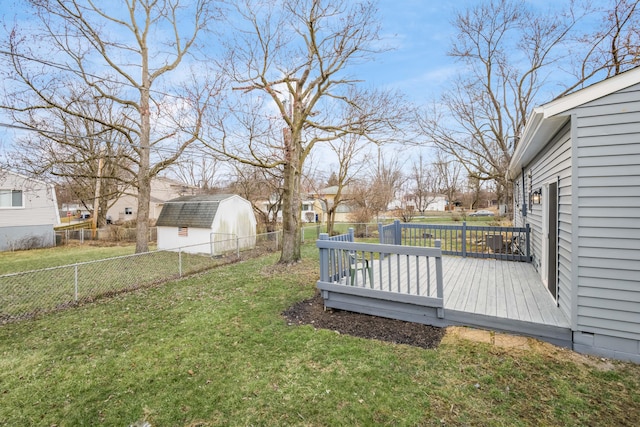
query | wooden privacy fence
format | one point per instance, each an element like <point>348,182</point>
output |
<point>480,241</point>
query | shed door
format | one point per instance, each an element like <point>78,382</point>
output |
<point>552,239</point>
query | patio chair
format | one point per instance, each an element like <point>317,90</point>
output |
<point>359,263</point>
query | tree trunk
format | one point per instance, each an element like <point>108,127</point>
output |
<point>291,206</point>
<point>144,178</point>
<point>144,198</point>
<point>331,220</point>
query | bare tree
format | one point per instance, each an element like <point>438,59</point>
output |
<point>612,48</point>
<point>503,47</point>
<point>125,54</point>
<point>290,60</point>
<point>384,185</point>
<point>349,152</point>
<point>422,184</point>
<point>92,160</point>
<point>448,177</point>
<point>509,53</point>
<point>263,188</point>
<point>199,169</point>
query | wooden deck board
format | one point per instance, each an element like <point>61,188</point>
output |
<point>499,289</point>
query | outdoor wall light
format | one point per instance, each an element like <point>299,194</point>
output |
<point>536,196</point>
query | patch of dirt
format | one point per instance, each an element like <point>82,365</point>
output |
<point>312,312</point>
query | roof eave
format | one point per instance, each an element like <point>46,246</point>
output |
<point>545,121</point>
<point>538,132</point>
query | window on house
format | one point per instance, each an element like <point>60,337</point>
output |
<point>11,199</point>
<point>306,208</point>
<point>128,211</point>
<point>183,231</point>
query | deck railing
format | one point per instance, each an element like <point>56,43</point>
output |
<point>480,241</point>
<point>381,267</point>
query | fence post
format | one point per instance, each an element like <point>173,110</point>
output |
<point>397,233</point>
<point>75,284</point>
<point>237,246</point>
<point>324,259</point>
<point>464,239</point>
<point>179,262</point>
<point>351,235</point>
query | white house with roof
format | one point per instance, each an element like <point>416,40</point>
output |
<point>211,224</point>
<point>28,212</point>
<point>162,189</point>
<point>576,180</point>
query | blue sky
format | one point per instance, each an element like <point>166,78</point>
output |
<point>419,32</point>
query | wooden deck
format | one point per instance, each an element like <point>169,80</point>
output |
<point>499,295</point>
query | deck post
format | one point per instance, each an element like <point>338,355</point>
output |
<point>397,234</point>
<point>324,259</point>
<point>528,242</point>
<point>439,279</point>
<point>351,235</point>
<point>464,239</point>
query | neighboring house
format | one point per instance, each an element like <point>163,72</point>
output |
<point>211,224</point>
<point>28,212</point>
<point>437,203</point>
<point>576,177</point>
<point>326,196</point>
<point>162,189</point>
<point>310,211</point>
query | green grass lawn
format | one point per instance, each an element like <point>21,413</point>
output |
<point>214,350</point>
<point>13,262</point>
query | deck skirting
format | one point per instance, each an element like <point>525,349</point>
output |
<point>393,305</point>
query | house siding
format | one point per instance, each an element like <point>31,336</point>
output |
<point>607,186</point>
<point>553,164</point>
<point>30,225</point>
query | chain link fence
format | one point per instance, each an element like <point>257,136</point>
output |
<point>111,233</point>
<point>27,294</point>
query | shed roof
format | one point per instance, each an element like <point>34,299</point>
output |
<point>546,120</point>
<point>191,211</point>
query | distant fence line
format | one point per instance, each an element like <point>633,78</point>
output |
<point>109,233</point>
<point>120,234</point>
<point>27,294</point>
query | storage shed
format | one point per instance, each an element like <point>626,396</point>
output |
<point>576,177</point>
<point>210,224</point>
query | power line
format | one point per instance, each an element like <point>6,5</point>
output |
<point>65,67</point>
<point>156,149</point>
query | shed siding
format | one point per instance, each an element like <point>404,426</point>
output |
<point>607,187</point>
<point>551,165</point>
<point>216,224</point>
<point>197,240</point>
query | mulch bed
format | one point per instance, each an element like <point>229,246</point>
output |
<point>312,312</point>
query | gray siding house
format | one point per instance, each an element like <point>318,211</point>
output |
<point>28,212</point>
<point>576,181</point>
